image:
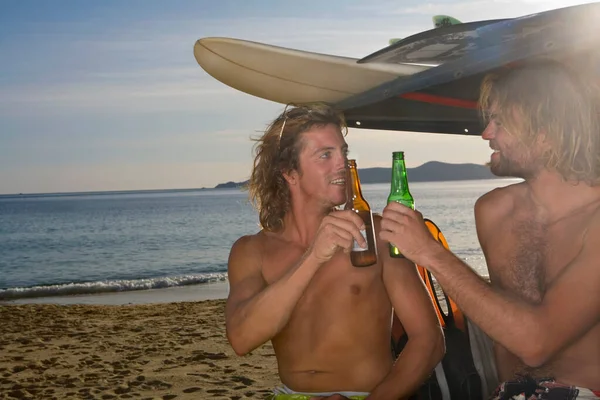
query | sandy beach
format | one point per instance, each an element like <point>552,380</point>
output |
<point>174,350</point>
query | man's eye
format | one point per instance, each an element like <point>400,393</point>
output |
<point>327,154</point>
<point>495,118</point>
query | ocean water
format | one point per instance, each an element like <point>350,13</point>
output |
<point>54,245</point>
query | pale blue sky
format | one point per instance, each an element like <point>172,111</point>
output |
<point>107,95</point>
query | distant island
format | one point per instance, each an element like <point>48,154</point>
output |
<point>429,172</point>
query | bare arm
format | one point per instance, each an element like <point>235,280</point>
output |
<point>569,309</point>
<point>414,308</point>
<point>255,311</point>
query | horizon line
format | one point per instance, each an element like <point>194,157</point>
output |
<point>124,191</point>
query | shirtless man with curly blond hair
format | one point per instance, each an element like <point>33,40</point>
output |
<point>293,284</point>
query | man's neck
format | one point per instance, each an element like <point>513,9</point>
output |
<point>303,220</point>
<point>554,198</point>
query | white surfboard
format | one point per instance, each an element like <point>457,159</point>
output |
<point>286,75</point>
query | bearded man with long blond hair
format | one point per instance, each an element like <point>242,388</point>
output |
<point>540,237</point>
<point>292,283</point>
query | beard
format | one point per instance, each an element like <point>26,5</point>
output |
<point>512,168</point>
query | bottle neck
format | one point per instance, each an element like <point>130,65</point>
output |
<point>399,177</point>
<point>354,197</point>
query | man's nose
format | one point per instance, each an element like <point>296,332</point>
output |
<point>341,161</point>
<point>489,132</point>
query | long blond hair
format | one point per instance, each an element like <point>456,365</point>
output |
<point>277,152</point>
<point>562,102</point>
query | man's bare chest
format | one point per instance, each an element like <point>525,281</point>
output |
<point>526,256</point>
<point>335,280</point>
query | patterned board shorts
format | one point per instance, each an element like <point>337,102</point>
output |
<point>542,389</point>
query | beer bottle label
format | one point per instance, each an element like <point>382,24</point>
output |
<point>356,246</point>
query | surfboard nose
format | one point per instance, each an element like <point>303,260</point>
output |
<point>224,58</point>
<point>206,49</point>
<point>214,55</point>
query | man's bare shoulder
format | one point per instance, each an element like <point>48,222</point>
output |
<point>252,246</point>
<point>246,246</point>
<point>245,242</point>
<point>494,208</point>
<point>499,202</point>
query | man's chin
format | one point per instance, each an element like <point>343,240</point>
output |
<point>497,169</point>
<point>503,172</point>
<point>500,173</point>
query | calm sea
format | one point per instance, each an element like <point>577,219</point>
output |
<point>54,245</point>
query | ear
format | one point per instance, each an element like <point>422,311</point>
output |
<point>291,177</point>
<point>542,138</point>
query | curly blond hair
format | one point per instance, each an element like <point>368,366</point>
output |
<point>560,101</point>
<point>277,152</point>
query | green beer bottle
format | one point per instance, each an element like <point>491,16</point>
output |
<point>399,191</point>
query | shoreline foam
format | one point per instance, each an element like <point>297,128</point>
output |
<point>199,292</point>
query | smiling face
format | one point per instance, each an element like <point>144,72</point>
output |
<point>321,176</point>
<point>544,115</point>
<point>513,156</point>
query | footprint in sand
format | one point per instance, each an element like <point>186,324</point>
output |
<point>122,389</point>
<point>156,384</point>
<point>19,368</point>
<point>123,372</point>
<point>243,380</point>
<point>191,390</point>
<point>217,391</point>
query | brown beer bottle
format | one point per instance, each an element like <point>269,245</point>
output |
<point>360,257</point>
